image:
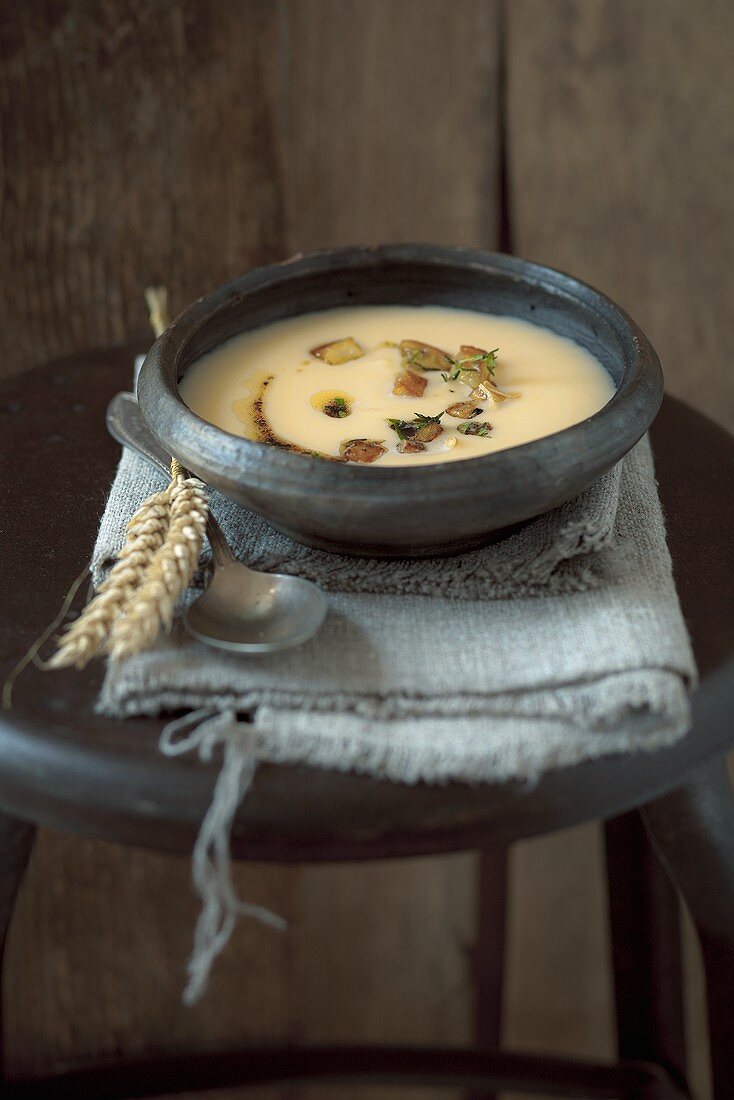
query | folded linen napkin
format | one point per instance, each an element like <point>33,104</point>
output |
<point>554,554</point>
<point>587,639</point>
<point>564,641</point>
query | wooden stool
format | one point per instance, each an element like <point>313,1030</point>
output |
<point>64,766</point>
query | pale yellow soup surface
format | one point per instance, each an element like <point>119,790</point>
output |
<point>559,382</point>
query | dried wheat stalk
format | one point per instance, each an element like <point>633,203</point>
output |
<point>151,606</point>
<point>156,299</point>
<point>156,563</point>
<point>86,637</point>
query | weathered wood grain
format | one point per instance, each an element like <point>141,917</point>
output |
<point>621,170</point>
<point>389,112</point>
<point>152,141</point>
<point>259,130</point>
<point>137,146</point>
<point>559,927</point>
<point>389,123</point>
<point>384,952</point>
<point>621,142</point>
<point>97,954</point>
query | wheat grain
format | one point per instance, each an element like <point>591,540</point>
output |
<point>155,565</point>
<point>156,299</point>
<point>145,534</point>
<point>152,605</point>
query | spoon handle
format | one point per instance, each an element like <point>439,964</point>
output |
<point>221,550</point>
<point>125,423</point>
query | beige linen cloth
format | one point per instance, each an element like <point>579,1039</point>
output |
<point>560,643</point>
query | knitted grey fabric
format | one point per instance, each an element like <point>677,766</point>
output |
<point>563,642</point>
<point>555,553</point>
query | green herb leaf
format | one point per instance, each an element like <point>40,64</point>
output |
<point>483,364</point>
<point>403,428</point>
<point>473,427</point>
<point>406,429</point>
<point>422,356</point>
<point>488,361</point>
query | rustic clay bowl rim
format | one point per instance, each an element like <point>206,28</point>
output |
<point>202,446</point>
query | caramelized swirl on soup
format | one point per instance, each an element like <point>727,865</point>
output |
<point>397,385</point>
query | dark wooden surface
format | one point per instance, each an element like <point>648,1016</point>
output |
<point>692,830</point>
<point>66,766</point>
<point>646,948</point>
<point>338,1067</point>
<point>153,108</point>
<point>16,840</point>
<point>136,145</point>
<point>490,952</point>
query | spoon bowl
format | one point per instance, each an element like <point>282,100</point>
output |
<point>261,613</point>
<point>242,610</point>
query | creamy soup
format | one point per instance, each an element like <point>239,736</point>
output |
<point>397,385</point>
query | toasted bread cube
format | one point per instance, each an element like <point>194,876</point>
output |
<point>490,393</point>
<point>468,351</point>
<point>409,384</point>
<point>425,356</point>
<point>475,427</point>
<point>463,410</point>
<point>428,433</point>
<point>481,369</point>
<point>338,351</point>
<point>362,450</point>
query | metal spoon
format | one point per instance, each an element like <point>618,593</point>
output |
<point>242,609</point>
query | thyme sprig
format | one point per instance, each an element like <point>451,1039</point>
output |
<point>482,362</point>
<point>406,429</point>
<point>473,427</point>
<point>411,356</point>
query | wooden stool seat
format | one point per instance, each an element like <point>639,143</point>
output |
<point>65,766</point>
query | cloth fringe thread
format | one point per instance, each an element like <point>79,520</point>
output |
<point>202,731</point>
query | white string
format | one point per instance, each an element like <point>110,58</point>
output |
<point>211,867</point>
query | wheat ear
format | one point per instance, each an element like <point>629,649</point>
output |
<point>156,299</point>
<point>151,606</point>
<point>145,534</point>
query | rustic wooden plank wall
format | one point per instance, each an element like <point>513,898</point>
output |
<point>621,170</point>
<point>362,121</point>
<point>389,121</point>
<point>138,145</point>
<point>186,141</point>
<point>390,135</point>
<point>621,157</point>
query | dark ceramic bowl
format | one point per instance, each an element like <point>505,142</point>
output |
<point>399,512</point>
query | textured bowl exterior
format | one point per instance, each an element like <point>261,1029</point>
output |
<point>399,512</point>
